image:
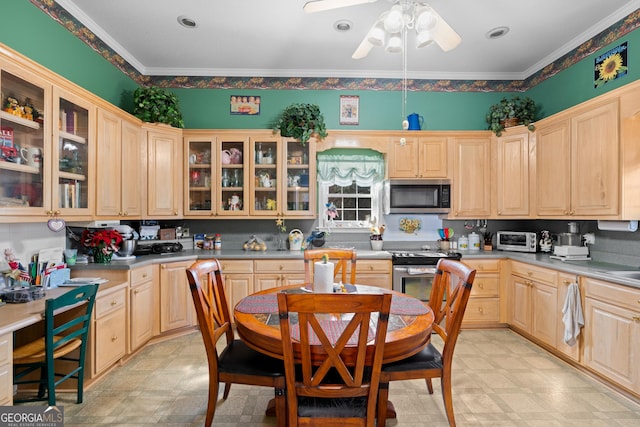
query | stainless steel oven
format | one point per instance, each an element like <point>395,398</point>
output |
<point>414,272</point>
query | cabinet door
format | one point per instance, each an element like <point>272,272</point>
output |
<point>433,157</point>
<point>520,307</point>
<point>403,160</point>
<point>572,351</point>
<point>298,182</point>
<point>472,178</point>
<point>176,304</point>
<point>595,151</point>
<point>6,370</point>
<point>611,342</point>
<point>141,314</point>
<point>237,286</point>
<point>164,173</point>
<point>512,175</point>
<point>233,195</point>
<point>110,339</point>
<point>133,170</point>
<point>544,300</point>
<point>109,153</point>
<point>200,180</point>
<point>553,169</point>
<point>267,281</point>
<point>266,169</point>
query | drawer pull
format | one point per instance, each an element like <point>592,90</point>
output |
<point>136,292</point>
<point>566,282</point>
<point>114,302</point>
<point>636,318</point>
<point>481,285</point>
<point>529,273</point>
<point>480,310</point>
<point>114,338</point>
<point>371,267</point>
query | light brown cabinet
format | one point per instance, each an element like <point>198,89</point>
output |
<point>471,182</point>
<point>120,171</point>
<point>176,304</point>
<point>577,163</point>
<point>6,369</point>
<point>534,301</point>
<point>483,307</point>
<point>164,172</point>
<point>418,157</point>
<point>109,328</point>
<point>201,177</point>
<point>278,273</point>
<point>512,173</point>
<point>571,351</point>
<point>141,307</point>
<point>374,273</point>
<point>238,280</point>
<point>612,332</point>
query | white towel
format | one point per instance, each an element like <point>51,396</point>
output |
<point>572,316</point>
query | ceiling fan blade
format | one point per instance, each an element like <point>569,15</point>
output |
<point>321,5</point>
<point>362,50</point>
<point>444,35</point>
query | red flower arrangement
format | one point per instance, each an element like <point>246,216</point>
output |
<point>106,241</point>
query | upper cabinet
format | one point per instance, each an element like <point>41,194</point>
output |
<point>512,173</point>
<point>164,171</point>
<point>121,167</point>
<point>266,172</point>
<point>630,153</point>
<point>233,161</point>
<point>418,157</point>
<point>298,180</point>
<point>577,163</point>
<point>471,181</point>
<point>201,178</point>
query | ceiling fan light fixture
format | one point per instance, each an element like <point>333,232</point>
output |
<point>424,38</point>
<point>376,36</point>
<point>394,45</point>
<point>394,21</point>
<point>425,19</point>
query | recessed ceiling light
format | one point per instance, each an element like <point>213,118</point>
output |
<point>497,32</point>
<point>342,25</point>
<point>187,22</point>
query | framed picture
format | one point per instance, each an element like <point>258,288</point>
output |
<point>245,105</point>
<point>349,109</point>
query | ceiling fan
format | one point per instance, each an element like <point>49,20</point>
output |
<point>392,26</point>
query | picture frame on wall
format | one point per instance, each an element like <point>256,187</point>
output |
<point>349,109</point>
<point>245,105</point>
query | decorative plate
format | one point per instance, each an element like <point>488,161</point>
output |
<point>410,225</point>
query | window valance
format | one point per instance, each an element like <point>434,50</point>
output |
<point>341,166</point>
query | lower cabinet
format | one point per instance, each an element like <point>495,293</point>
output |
<point>374,273</point>
<point>109,329</point>
<point>238,280</point>
<point>571,351</point>
<point>612,332</point>
<point>6,369</point>
<point>176,303</point>
<point>277,273</point>
<point>534,301</point>
<point>483,307</point>
<point>141,307</point>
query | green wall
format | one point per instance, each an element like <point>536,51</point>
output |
<point>33,33</point>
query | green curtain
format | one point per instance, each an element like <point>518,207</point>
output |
<point>340,166</point>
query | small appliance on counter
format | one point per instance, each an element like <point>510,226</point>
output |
<point>518,241</point>
<point>569,246</point>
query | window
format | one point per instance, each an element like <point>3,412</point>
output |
<point>351,182</point>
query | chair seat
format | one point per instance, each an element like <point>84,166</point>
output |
<point>35,352</point>
<point>311,407</point>
<point>238,358</point>
<point>428,358</point>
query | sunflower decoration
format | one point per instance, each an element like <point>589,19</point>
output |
<point>609,69</point>
<point>280,225</point>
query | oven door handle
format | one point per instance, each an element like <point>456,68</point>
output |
<point>415,271</point>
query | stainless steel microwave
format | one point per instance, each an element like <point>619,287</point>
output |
<point>519,241</point>
<point>419,196</point>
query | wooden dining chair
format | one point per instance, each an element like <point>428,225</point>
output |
<point>448,300</point>
<point>332,364</point>
<point>237,363</point>
<point>65,339</point>
<point>342,258</point>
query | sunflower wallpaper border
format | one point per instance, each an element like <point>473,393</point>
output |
<point>610,65</point>
<point>614,32</point>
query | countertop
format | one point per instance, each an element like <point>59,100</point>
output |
<point>592,269</point>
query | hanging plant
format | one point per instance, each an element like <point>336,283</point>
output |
<point>511,112</point>
<point>301,121</point>
<point>157,105</point>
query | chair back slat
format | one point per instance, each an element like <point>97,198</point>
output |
<point>344,260</point>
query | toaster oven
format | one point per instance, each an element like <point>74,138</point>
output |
<point>519,241</point>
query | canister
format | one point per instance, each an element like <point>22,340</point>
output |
<point>463,243</point>
<point>474,241</point>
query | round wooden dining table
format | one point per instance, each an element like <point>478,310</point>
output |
<point>408,331</point>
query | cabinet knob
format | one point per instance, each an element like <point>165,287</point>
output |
<point>571,212</point>
<point>114,302</point>
<point>481,285</point>
<point>499,212</point>
<point>281,267</point>
<point>566,282</point>
<point>114,338</point>
<point>529,273</point>
<point>480,310</point>
<point>636,318</point>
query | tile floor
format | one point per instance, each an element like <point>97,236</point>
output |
<point>500,379</point>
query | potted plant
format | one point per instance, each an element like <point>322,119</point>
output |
<point>301,121</point>
<point>511,112</point>
<point>157,105</point>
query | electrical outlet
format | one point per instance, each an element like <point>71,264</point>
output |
<point>589,238</point>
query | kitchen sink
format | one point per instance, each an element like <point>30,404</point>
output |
<point>631,274</point>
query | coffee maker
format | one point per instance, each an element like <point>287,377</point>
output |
<point>570,246</point>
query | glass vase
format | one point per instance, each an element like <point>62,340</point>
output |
<point>100,257</point>
<point>281,244</point>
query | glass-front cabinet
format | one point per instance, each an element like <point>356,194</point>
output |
<point>72,191</point>
<point>299,178</point>
<point>266,175</point>
<point>201,178</point>
<point>233,161</point>
<point>24,143</point>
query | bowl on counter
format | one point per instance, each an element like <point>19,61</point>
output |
<point>127,247</point>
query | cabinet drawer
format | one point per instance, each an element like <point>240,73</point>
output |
<point>481,265</point>
<point>236,266</point>
<point>366,266</point>
<point>612,293</point>
<point>482,310</point>
<point>105,304</point>
<point>6,385</point>
<point>535,273</point>
<point>141,274</point>
<point>280,266</point>
<point>486,285</point>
